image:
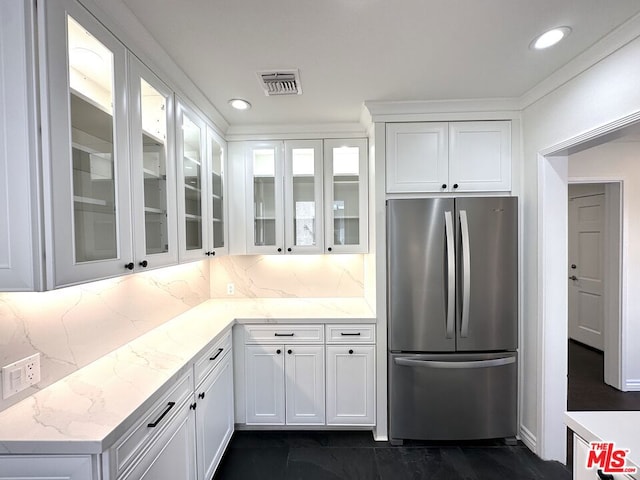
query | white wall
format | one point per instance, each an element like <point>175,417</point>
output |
<point>621,160</point>
<point>598,97</point>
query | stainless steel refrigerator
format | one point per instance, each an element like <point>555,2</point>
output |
<point>452,310</point>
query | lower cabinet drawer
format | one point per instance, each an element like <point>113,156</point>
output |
<point>208,361</point>
<point>289,334</point>
<point>152,423</point>
<point>349,334</point>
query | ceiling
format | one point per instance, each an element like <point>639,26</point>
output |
<point>349,51</point>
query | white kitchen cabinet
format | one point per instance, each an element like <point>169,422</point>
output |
<point>480,156</point>
<point>265,384</point>
<point>153,170</point>
<point>47,467</point>
<point>217,194</point>
<point>417,157</point>
<point>214,414</point>
<point>304,385</point>
<point>448,157</point>
<point>303,196</point>
<point>284,382</point>
<point>85,147</point>
<point>580,456</point>
<point>264,197</point>
<point>191,131</point>
<point>351,374</point>
<point>171,455</point>
<point>346,196</point>
<point>19,224</point>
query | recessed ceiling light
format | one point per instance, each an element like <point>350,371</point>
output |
<point>550,38</point>
<point>239,104</point>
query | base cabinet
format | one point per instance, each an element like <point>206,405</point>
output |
<point>350,385</point>
<point>171,455</point>
<point>581,472</point>
<point>214,417</point>
<point>284,384</point>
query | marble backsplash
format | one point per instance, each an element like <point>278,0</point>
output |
<point>286,276</point>
<point>74,326</point>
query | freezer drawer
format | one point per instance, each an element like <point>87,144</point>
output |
<point>452,396</point>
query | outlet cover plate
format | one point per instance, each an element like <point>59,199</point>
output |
<point>20,375</point>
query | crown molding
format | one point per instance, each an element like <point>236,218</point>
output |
<point>295,131</point>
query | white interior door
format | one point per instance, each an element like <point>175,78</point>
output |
<point>586,270</point>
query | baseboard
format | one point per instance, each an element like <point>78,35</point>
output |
<point>632,386</point>
<point>528,438</point>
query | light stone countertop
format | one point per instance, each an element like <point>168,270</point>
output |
<point>87,411</point>
<point>619,427</point>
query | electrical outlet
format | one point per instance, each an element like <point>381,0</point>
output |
<point>231,289</point>
<point>20,375</point>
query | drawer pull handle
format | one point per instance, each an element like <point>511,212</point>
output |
<point>283,334</point>
<point>217,354</point>
<point>350,334</point>
<point>170,405</point>
<point>604,476</point>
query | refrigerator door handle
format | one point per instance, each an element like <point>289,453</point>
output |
<point>466,274</point>
<point>496,362</point>
<point>451,272</point>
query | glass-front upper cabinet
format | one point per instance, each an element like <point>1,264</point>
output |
<point>86,149</point>
<point>217,156</point>
<point>192,199</point>
<point>264,197</point>
<point>153,177</point>
<point>346,196</point>
<point>303,196</point>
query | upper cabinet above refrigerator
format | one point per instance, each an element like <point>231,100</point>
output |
<point>427,157</point>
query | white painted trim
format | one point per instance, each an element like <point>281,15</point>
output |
<point>613,41</point>
<point>387,110</point>
<point>632,385</point>
<point>528,438</point>
<point>295,131</point>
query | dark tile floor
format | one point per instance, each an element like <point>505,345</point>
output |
<point>355,455</point>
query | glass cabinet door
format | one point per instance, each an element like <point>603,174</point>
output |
<point>303,196</point>
<point>153,168</point>
<point>217,221</point>
<point>192,207</point>
<point>87,128</point>
<point>264,166</point>
<point>346,206</point>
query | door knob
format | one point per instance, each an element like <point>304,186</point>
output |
<point>573,277</point>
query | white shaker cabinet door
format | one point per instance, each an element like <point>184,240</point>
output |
<point>350,385</point>
<point>480,156</point>
<point>214,417</point>
<point>172,454</point>
<point>304,367</point>
<point>264,366</point>
<point>417,157</point>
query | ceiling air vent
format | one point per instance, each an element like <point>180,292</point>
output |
<point>281,82</point>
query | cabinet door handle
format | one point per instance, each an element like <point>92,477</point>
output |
<point>278,351</point>
<point>284,334</point>
<point>329,249</point>
<point>144,264</point>
<point>193,406</point>
<point>217,354</point>
<point>279,249</point>
<point>170,405</point>
<point>350,334</point>
<point>605,476</point>
<point>129,266</point>
<point>201,395</point>
<point>444,185</point>
<point>289,352</point>
<point>350,352</point>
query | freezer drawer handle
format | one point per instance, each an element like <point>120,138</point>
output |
<point>283,334</point>
<point>451,270</point>
<point>497,362</point>
<point>466,274</point>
